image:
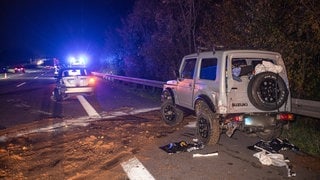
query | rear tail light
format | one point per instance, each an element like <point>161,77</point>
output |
<point>285,117</point>
<point>238,118</point>
<point>92,81</point>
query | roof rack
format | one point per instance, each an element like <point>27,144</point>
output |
<point>214,48</point>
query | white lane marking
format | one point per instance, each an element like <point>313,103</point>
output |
<point>36,77</point>
<point>135,170</point>
<point>5,76</point>
<point>89,109</point>
<point>21,84</point>
<point>81,121</point>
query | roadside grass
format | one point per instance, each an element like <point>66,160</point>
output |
<point>304,133</point>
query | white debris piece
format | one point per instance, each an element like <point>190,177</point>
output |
<point>268,66</point>
<point>275,160</point>
<point>205,155</point>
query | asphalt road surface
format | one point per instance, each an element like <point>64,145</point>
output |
<point>26,97</point>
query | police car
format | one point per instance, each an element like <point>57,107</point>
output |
<point>73,80</point>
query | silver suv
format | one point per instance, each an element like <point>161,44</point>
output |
<point>73,81</point>
<point>227,90</point>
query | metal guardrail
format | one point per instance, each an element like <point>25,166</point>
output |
<point>146,82</point>
<point>306,107</point>
<point>299,106</point>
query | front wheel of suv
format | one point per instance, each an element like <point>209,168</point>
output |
<point>208,128</point>
<point>170,114</point>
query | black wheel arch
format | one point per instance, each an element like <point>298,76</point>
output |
<point>170,91</point>
<point>207,100</point>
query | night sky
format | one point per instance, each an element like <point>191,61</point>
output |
<point>57,28</point>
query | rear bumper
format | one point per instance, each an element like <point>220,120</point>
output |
<point>258,122</point>
<point>80,90</point>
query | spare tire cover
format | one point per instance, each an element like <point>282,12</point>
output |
<point>267,91</point>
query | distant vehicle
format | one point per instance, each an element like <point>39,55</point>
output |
<point>3,69</point>
<point>73,81</point>
<point>19,69</point>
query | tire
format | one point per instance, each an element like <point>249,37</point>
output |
<point>267,91</point>
<point>170,114</point>
<point>166,96</point>
<point>198,106</point>
<point>270,133</point>
<point>208,127</point>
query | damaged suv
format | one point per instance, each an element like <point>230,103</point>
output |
<point>227,90</point>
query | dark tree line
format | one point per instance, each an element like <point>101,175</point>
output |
<point>158,33</point>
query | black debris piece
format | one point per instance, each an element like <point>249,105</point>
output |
<point>273,146</point>
<point>268,153</point>
<point>182,146</point>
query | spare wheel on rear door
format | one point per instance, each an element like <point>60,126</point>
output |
<point>267,91</point>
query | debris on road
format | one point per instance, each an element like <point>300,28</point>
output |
<point>274,159</point>
<point>181,146</point>
<point>94,151</point>
<point>273,146</point>
<point>269,153</point>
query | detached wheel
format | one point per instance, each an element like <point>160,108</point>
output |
<point>267,91</point>
<point>270,133</point>
<point>170,114</point>
<point>208,127</point>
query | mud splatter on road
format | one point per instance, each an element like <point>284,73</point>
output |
<point>74,152</point>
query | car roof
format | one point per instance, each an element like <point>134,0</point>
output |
<point>220,52</point>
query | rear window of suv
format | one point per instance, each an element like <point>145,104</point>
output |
<point>240,62</point>
<point>259,61</point>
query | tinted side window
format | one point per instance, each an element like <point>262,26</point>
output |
<point>208,69</point>
<point>188,69</point>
